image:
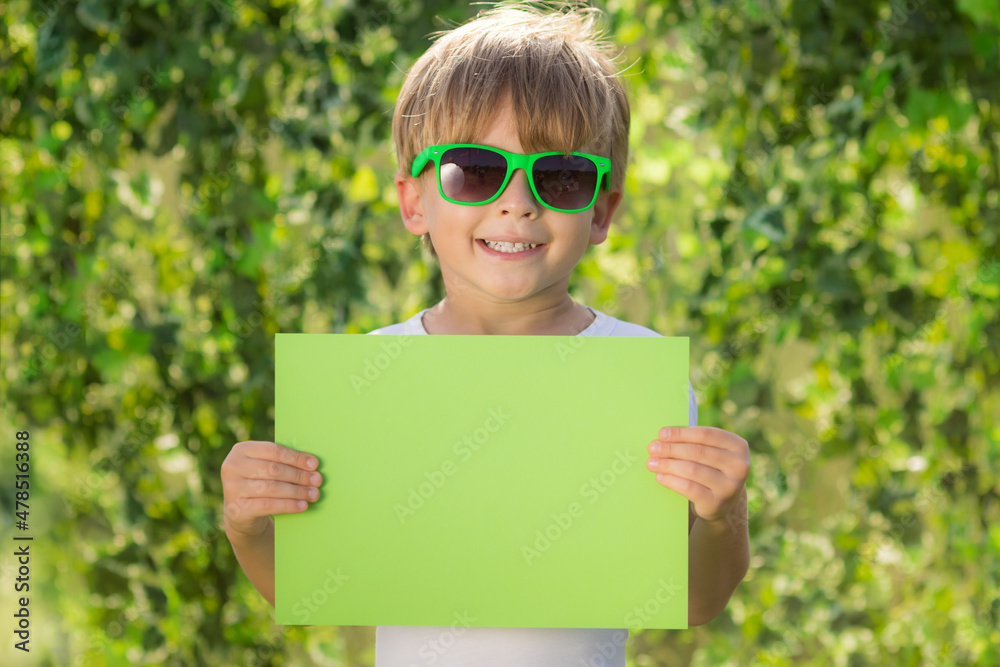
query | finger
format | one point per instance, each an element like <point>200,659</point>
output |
<point>704,475</point>
<point>270,461</point>
<point>272,488</point>
<point>696,493</point>
<point>271,506</point>
<point>720,459</point>
<point>272,451</point>
<point>732,464</point>
<point>704,435</point>
<point>244,512</point>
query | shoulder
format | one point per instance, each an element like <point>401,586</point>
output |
<point>411,327</point>
<point>623,328</point>
<point>605,325</point>
<point>393,329</point>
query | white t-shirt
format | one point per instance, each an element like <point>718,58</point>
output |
<point>462,646</point>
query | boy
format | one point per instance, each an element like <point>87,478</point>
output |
<point>512,82</point>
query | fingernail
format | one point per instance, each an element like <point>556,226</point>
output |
<point>313,494</point>
<point>314,478</point>
<point>655,449</point>
<point>665,433</point>
<point>311,462</point>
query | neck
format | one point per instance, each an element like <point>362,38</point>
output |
<point>555,317</point>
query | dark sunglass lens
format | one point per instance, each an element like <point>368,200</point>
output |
<point>565,182</point>
<point>472,175</point>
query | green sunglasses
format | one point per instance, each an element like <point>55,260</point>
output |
<point>471,175</point>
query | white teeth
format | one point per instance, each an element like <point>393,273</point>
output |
<point>507,246</point>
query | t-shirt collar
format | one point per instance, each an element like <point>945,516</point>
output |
<point>601,326</point>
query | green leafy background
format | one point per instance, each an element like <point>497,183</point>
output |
<point>812,196</point>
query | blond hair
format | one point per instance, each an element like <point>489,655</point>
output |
<point>554,67</point>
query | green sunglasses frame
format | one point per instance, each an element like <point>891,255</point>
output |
<point>515,161</point>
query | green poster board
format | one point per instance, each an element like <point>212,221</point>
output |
<point>501,478</point>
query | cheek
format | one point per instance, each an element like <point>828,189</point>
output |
<point>581,230</point>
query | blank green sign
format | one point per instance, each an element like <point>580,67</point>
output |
<point>497,479</point>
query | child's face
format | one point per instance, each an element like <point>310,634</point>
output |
<point>472,270</point>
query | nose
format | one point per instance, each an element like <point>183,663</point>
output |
<point>517,198</point>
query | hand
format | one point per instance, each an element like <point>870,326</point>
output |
<point>706,465</point>
<point>260,479</point>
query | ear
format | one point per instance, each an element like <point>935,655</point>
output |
<point>410,203</point>
<point>604,210</point>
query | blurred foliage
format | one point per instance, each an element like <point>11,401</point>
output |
<point>812,197</point>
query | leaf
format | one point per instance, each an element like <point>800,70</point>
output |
<point>364,186</point>
<point>111,364</point>
<point>768,222</point>
<point>982,12</point>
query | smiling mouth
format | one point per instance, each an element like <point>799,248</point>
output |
<point>507,246</point>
